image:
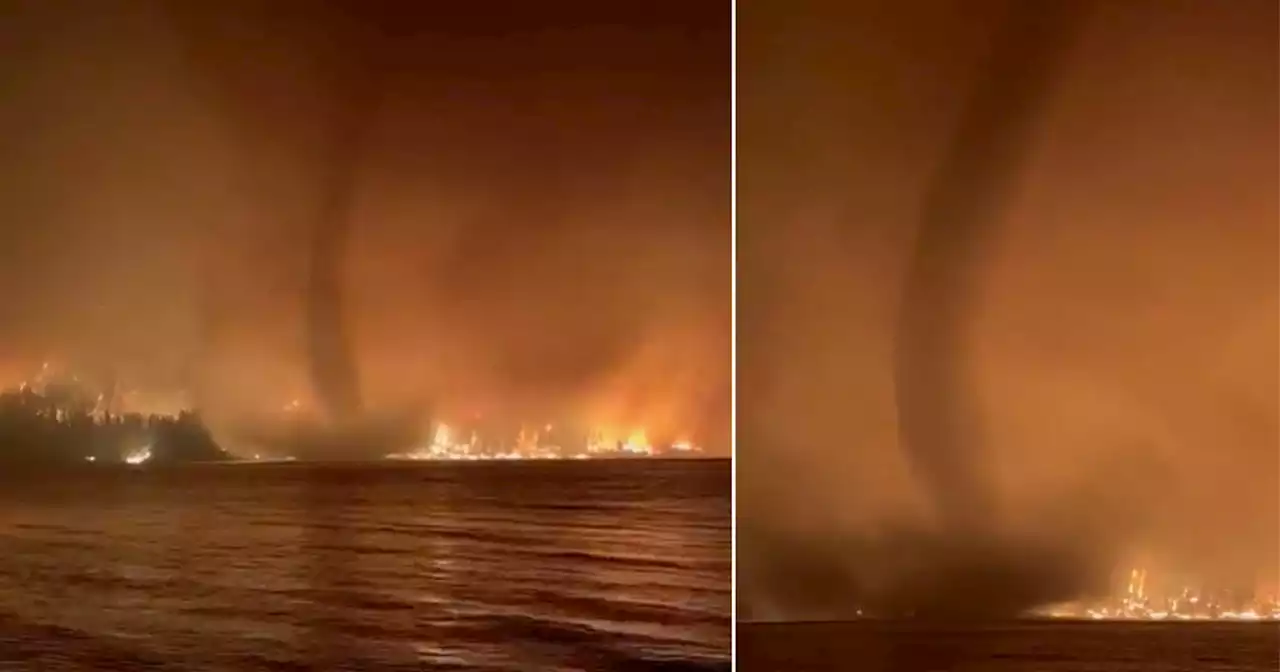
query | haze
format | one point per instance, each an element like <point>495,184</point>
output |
<point>1118,346</point>
<point>540,205</point>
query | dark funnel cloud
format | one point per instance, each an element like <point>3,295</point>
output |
<point>1007,303</point>
<point>959,212</point>
<point>357,93</point>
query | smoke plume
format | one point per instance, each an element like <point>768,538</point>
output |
<point>1045,400</point>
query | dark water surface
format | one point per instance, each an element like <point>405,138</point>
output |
<point>1023,646</point>
<point>475,566</point>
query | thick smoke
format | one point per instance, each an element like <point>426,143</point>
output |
<point>534,199</point>
<point>1061,404</point>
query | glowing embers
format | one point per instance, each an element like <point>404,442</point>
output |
<point>638,443</point>
<point>1171,598</point>
<point>605,441</point>
<point>443,446</point>
<point>545,442</point>
<point>139,455</point>
<point>685,446</point>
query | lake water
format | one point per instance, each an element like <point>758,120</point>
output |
<point>471,566</point>
<point>1024,646</point>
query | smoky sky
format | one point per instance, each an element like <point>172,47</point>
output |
<point>1113,363</point>
<point>539,213</point>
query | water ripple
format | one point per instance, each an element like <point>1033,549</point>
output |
<point>575,566</point>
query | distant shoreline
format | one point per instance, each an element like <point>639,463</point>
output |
<point>1016,621</point>
<point>425,463</point>
<point>233,462</point>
